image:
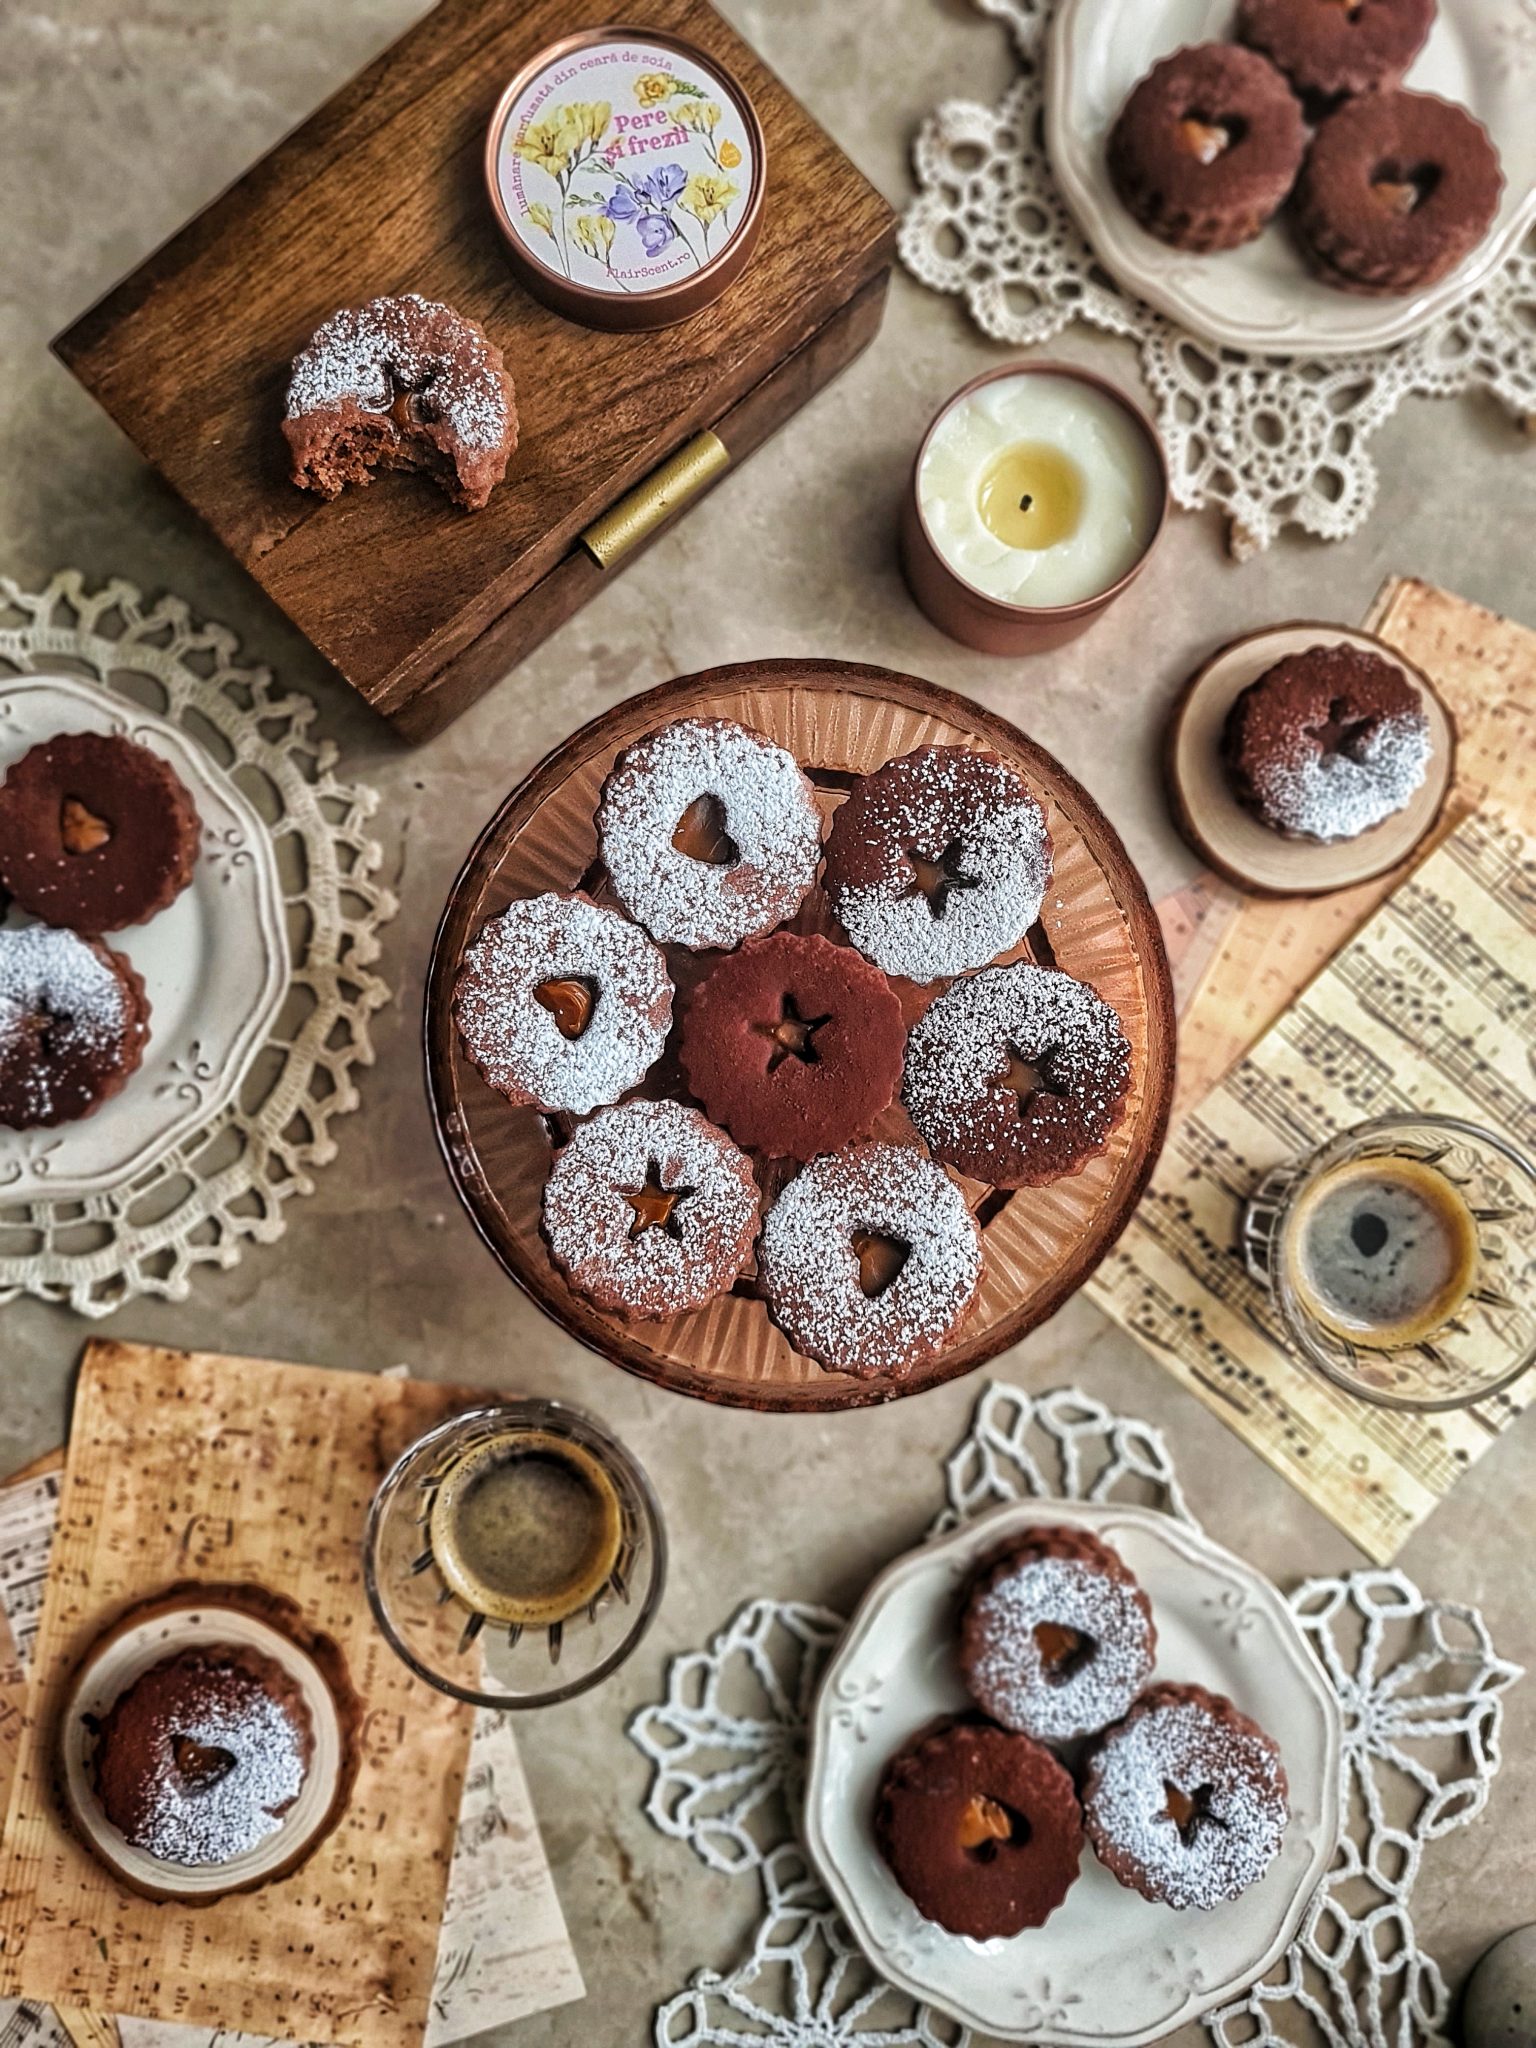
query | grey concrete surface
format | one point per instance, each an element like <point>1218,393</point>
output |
<point>118,118</point>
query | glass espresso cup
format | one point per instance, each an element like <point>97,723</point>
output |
<point>515,1555</point>
<point>1402,1259</point>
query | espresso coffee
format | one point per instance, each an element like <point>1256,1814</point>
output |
<point>1382,1251</point>
<point>527,1528</point>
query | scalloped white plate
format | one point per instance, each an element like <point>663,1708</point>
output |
<point>1262,297</point>
<point>1108,1967</point>
<point>215,964</point>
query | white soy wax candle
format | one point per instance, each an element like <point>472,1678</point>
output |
<point>1037,495</point>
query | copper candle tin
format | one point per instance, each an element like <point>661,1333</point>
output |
<point>991,624</point>
<point>626,170</point>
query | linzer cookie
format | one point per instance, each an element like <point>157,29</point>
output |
<point>562,1004</point>
<point>1328,47</point>
<point>793,1044</point>
<point>938,862</point>
<point>198,1761</point>
<point>1206,149</point>
<point>1185,1799</point>
<point>980,1828</point>
<point>401,383</point>
<point>1017,1075</point>
<point>709,832</point>
<point>96,832</point>
<point>870,1260</point>
<point>1327,743</point>
<point>1397,189</point>
<point>1057,1637</point>
<point>650,1210</point>
<point>74,1021</point>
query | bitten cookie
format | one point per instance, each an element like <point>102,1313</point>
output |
<point>401,383</point>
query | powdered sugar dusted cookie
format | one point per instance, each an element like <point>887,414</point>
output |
<point>870,1260</point>
<point>1185,1800</point>
<point>562,1004</point>
<point>709,832</point>
<point>650,1209</point>
<point>1057,1637</point>
<point>938,862</point>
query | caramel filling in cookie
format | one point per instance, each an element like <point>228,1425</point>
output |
<point>1025,1078</point>
<point>80,830</point>
<point>1403,190</point>
<point>1063,1650</point>
<point>1189,1811</point>
<point>700,833</point>
<point>880,1258</point>
<point>986,1824</point>
<point>937,879</point>
<point>200,1763</point>
<point>1206,139</point>
<point>794,1036</point>
<point>655,1207</point>
<point>569,1000</point>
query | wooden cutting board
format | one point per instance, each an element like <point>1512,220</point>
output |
<point>192,1467</point>
<point>420,606</point>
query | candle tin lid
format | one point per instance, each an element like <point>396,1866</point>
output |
<point>626,172</point>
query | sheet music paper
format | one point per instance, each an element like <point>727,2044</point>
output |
<point>503,1951</point>
<point>1432,1007</point>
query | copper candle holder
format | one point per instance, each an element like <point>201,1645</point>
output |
<point>990,624</point>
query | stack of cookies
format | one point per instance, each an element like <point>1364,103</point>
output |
<point>980,1818</point>
<point>739,1101</point>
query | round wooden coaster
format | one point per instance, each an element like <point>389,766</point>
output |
<point>840,720</point>
<point>1228,837</point>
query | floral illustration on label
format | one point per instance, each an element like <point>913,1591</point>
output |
<point>635,189</point>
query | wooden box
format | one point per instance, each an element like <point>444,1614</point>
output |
<point>419,606</point>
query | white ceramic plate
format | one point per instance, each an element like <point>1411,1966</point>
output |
<point>1262,297</point>
<point>215,965</point>
<point>1108,1966</point>
<point>124,1655</point>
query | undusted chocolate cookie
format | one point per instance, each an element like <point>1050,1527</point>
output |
<point>74,1021</point>
<point>1327,743</point>
<point>1056,1639</point>
<point>199,1759</point>
<point>1207,147</point>
<point>1185,1799</point>
<point>401,383</point>
<point>938,862</point>
<point>1328,47</point>
<point>1017,1075</point>
<point>981,1829</point>
<point>793,1044</point>
<point>1398,187</point>
<point>870,1260</point>
<point>96,832</point>
<point>650,1210</point>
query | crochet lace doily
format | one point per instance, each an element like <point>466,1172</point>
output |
<point>1421,1689</point>
<point>226,1183</point>
<point>1272,440</point>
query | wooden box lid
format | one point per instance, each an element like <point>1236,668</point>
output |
<point>381,191</point>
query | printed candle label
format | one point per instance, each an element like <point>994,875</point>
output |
<point>625,167</point>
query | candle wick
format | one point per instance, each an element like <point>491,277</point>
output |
<point>1025,502</point>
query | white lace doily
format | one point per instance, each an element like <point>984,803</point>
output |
<point>1421,1688</point>
<point>1272,440</point>
<point>227,1182</point>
